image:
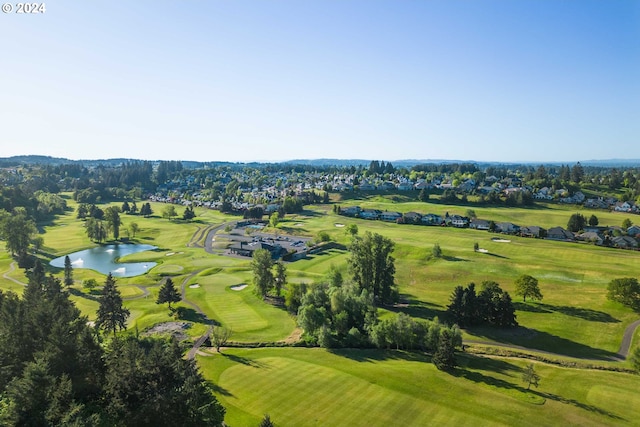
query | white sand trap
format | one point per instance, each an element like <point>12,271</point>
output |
<point>238,287</point>
<point>298,224</point>
<point>170,253</point>
<point>495,239</point>
<point>337,224</point>
<point>194,286</point>
<point>484,251</point>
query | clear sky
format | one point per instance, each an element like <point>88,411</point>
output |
<point>268,80</point>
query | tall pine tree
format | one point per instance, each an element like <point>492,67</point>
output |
<point>168,293</point>
<point>111,314</point>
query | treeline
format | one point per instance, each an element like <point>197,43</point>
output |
<point>337,313</point>
<point>57,371</point>
<point>491,306</point>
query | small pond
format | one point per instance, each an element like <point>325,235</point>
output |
<point>103,259</point>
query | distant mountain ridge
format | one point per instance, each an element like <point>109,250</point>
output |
<point>38,159</point>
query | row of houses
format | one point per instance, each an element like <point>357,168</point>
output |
<point>607,236</point>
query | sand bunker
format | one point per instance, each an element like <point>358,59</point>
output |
<point>194,286</point>
<point>298,224</point>
<point>495,239</point>
<point>170,253</point>
<point>238,287</point>
<point>484,251</point>
<point>337,224</point>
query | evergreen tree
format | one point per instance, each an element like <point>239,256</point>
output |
<point>188,214</point>
<point>68,271</point>
<point>266,421</point>
<point>444,358</point>
<point>168,293</point>
<point>111,314</point>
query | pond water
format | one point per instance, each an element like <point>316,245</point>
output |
<point>103,259</point>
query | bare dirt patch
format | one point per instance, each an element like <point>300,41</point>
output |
<point>175,329</point>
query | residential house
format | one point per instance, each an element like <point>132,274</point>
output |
<point>351,211</point>
<point>432,219</point>
<point>634,230</point>
<point>459,221</point>
<point>532,231</point>
<point>390,216</point>
<point>559,233</point>
<point>590,236</point>
<point>365,186</point>
<point>412,218</point>
<point>479,224</point>
<point>626,242</point>
<point>370,214</point>
<point>507,227</point>
<point>405,186</point>
<point>624,207</point>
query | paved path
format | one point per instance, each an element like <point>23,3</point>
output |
<point>625,345</point>
<point>12,267</point>
<point>196,346</point>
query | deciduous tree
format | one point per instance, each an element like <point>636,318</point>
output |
<point>373,267</point>
<point>625,291</point>
<point>220,336</point>
<point>530,376</point>
<point>527,286</point>
<point>261,264</point>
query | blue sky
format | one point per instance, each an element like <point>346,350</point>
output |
<point>277,80</point>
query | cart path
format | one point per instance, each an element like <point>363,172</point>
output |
<point>196,345</point>
<point>627,337</point>
<point>12,267</point>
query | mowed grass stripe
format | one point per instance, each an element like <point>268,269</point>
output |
<point>324,396</point>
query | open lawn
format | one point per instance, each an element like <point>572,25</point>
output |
<point>300,386</point>
<point>574,317</point>
<point>312,387</point>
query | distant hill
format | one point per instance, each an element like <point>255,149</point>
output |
<point>36,159</point>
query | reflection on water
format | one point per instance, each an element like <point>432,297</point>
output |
<point>103,259</point>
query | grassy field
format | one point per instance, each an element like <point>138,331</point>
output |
<point>300,386</point>
<point>312,387</point>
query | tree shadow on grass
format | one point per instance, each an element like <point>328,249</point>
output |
<point>244,360</point>
<point>582,313</point>
<point>520,306</point>
<point>479,377</point>
<point>191,315</point>
<point>454,259</point>
<point>377,355</point>
<point>543,341</point>
<point>418,309</point>
<point>496,255</point>
<point>219,390</point>
<point>581,405</point>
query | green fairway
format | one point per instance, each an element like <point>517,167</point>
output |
<point>247,315</point>
<point>310,387</point>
